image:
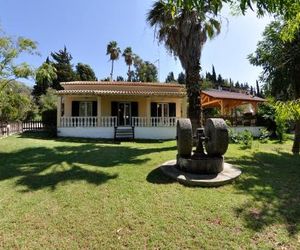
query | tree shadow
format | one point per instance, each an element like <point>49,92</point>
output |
<point>42,167</point>
<point>272,180</point>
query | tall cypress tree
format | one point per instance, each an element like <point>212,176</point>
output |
<point>214,75</point>
<point>64,69</point>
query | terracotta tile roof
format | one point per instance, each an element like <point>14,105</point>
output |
<point>221,94</point>
<point>122,88</point>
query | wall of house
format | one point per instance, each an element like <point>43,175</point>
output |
<point>67,100</point>
<point>143,103</point>
<point>162,133</point>
<point>94,132</point>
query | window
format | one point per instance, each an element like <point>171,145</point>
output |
<point>85,108</point>
<point>163,109</point>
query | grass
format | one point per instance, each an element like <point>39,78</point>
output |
<point>72,193</point>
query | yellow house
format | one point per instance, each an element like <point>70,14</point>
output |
<point>120,109</point>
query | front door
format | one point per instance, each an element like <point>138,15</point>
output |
<point>124,114</point>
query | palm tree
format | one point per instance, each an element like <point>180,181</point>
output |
<point>113,51</point>
<point>128,56</point>
<point>184,28</point>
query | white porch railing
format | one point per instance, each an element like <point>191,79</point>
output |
<point>88,121</point>
<point>111,121</point>
<point>154,121</point>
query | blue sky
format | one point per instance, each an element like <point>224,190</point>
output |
<point>86,27</point>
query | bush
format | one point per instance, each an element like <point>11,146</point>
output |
<point>246,139</point>
<point>264,135</point>
<point>234,137</point>
<point>49,118</point>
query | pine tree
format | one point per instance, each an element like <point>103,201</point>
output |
<point>64,70</point>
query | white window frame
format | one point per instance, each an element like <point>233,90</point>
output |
<point>85,104</point>
<point>162,104</point>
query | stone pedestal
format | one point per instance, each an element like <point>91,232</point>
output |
<point>203,165</point>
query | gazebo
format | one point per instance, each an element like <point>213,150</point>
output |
<point>227,101</point>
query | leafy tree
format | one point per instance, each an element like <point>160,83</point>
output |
<point>290,111</point>
<point>84,72</point>
<point>128,56</point>
<point>170,77</point>
<point>48,101</point>
<point>144,71</point>
<point>64,69</point>
<point>120,79</point>
<point>114,52</point>
<point>181,78</point>
<point>280,61</point>
<point>106,79</point>
<point>289,10</point>
<point>184,28</point>
<point>15,102</point>
<point>45,75</point>
<point>10,50</point>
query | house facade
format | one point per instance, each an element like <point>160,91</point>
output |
<point>106,109</point>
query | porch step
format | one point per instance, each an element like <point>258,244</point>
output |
<point>124,133</point>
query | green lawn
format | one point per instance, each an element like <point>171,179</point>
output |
<point>70,193</point>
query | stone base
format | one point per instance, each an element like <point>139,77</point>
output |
<point>201,165</point>
<point>228,174</point>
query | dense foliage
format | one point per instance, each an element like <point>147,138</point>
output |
<point>84,72</point>
<point>280,61</point>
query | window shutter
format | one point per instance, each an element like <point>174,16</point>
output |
<point>94,110</point>
<point>172,109</point>
<point>75,108</point>
<point>153,109</point>
<point>114,108</point>
<point>134,109</point>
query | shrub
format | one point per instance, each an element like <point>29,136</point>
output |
<point>234,137</point>
<point>264,135</point>
<point>49,118</point>
<point>246,139</point>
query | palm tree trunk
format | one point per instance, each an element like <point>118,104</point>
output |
<point>193,92</point>
<point>112,70</point>
<point>129,74</point>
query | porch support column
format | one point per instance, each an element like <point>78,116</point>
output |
<point>184,107</point>
<point>148,109</point>
<point>98,109</point>
<point>59,99</point>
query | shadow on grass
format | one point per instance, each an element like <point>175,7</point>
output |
<point>156,176</point>
<point>42,167</point>
<point>272,180</point>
